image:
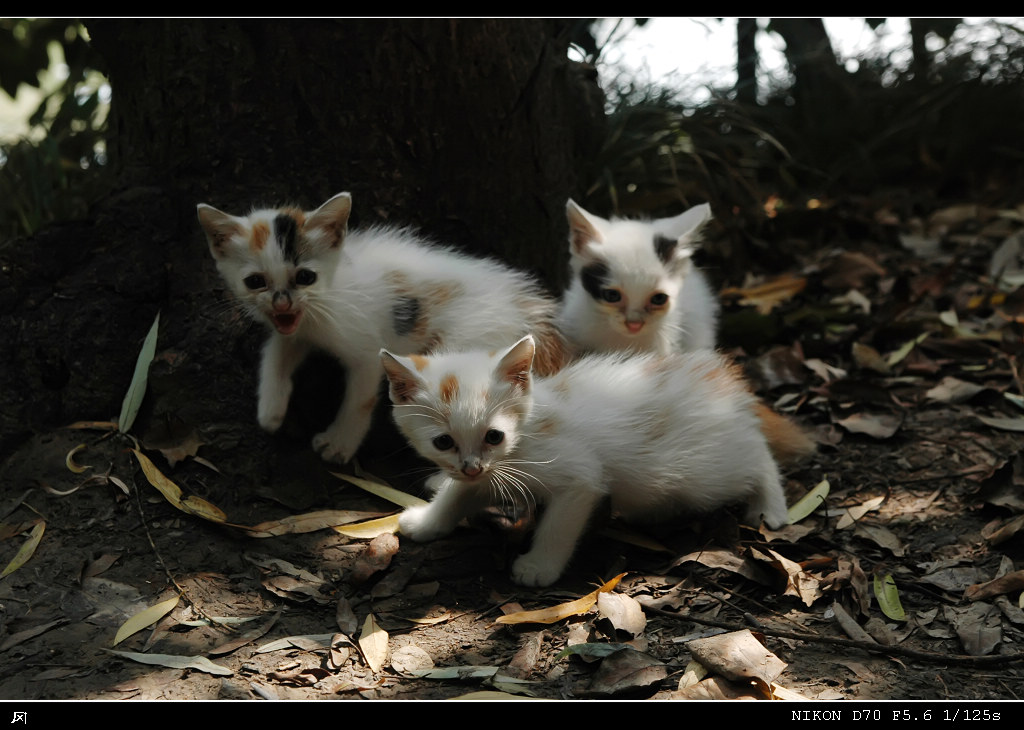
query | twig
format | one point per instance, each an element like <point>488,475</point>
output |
<point>980,661</point>
<point>167,571</point>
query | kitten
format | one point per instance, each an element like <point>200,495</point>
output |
<point>603,426</point>
<point>350,294</point>
<point>634,286</point>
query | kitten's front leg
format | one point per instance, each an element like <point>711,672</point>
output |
<point>281,356</point>
<point>343,437</point>
<point>452,501</point>
<point>558,531</point>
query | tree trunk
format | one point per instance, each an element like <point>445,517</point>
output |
<point>809,54</point>
<point>474,130</point>
<point>746,60</point>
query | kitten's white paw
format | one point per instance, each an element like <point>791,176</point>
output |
<point>420,525</point>
<point>535,570</point>
<point>270,413</point>
<point>333,446</point>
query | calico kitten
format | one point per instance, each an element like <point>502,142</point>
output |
<point>603,426</point>
<point>634,286</point>
<point>350,294</point>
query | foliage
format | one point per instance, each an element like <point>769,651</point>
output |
<point>953,130</point>
<point>51,174</point>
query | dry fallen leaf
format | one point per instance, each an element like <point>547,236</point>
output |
<point>370,529</point>
<point>309,522</point>
<point>373,641</point>
<point>145,618</point>
<point>177,662</point>
<point>737,656</point>
<point>391,494</point>
<point>562,610</point>
<point>26,550</point>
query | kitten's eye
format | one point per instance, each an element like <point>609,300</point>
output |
<point>305,277</point>
<point>255,281</point>
<point>443,442</point>
<point>659,299</point>
<point>611,295</point>
<point>494,437</point>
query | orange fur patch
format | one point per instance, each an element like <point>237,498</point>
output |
<point>787,441</point>
<point>260,234</point>
<point>419,361</point>
<point>297,213</point>
<point>552,350</point>
<point>449,388</point>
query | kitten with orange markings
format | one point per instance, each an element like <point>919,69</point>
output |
<point>634,285</point>
<point>318,286</point>
<point>635,288</point>
<point>604,426</point>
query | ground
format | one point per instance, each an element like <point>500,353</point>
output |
<point>899,350</point>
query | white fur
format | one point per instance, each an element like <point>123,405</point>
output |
<point>658,435</point>
<point>688,321</point>
<point>349,310</point>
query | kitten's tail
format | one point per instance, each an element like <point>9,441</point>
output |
<point>788,442</point>
<point>553,351</point>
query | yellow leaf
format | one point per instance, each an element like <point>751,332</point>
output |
<point>169,489</point>
<point>382,490</point>
<point>766,296</point>
<point>371,528</point>
<point>811,501</point>
<point>144,618</point>
<point>172,492</point>
<point>889,597</point>
<point>69,460</point>
<point>26,550</point>
<point>309,522</point>
<point>201,508</point>
<point>373,640</point>
<point>562,610</point>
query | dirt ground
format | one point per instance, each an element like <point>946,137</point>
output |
<point>901,355</point>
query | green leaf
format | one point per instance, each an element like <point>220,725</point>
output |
<point>889,597</point>
<point>810,502</point>
<point>137,390</point>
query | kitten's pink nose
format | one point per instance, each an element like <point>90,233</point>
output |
<point>282,301</point>
<point>472,470</point>
<point>634,326</point>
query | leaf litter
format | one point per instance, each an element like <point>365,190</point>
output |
<point>907,371</point>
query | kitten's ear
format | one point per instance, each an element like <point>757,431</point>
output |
<point>685,227</point>
<point>219,227</point>
<point>402,377</point>
<point>583,227</point>
<point>517,362</point>
<point>332,219</point>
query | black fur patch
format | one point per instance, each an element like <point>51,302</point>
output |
<point>594,278</point>
<point>405,314</point>
<point>665,247</point>
<point>286,231</point>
